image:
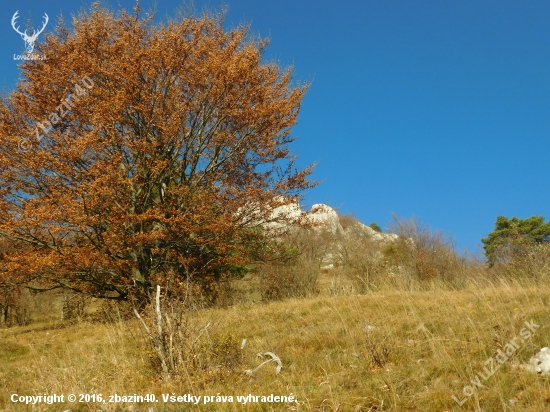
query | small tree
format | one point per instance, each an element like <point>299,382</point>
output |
<point>140,153</point>
<point>374,226</point>
<point>513,238</point>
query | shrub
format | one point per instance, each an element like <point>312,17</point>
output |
<point>74,306</point>
<point>295,279</point>
<point>423,253</point>
<point>378,347</point>
<point>181,347</point>
<point>360,258</point>
<point>533,262</point>
<point>513,240</point>
<point>347,220</point>
<point>374,226</point>
<point>296,274</point>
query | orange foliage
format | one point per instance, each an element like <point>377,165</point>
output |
<point>174,131</point>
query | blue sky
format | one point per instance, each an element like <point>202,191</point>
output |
<point>433,109</point>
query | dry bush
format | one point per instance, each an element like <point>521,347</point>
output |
<point>529,261</point>
<point>294,279</point>
<point>347,220</point>
<point>230,292</point>
<point>423,253</point>
<point>360,261</point>
<point>194,293</point>
<point>314,246</point>
<point>297,274</point>
<point>75,306</point>
<point>113,312</point>
<point>180,347</point>
<point>378,347</point>
<point>359,258</point>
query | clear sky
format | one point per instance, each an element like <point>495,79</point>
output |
<point>433,109</point>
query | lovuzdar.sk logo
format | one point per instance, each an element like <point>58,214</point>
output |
<point>29,40</point>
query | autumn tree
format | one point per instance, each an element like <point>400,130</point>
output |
<point>140,153</point>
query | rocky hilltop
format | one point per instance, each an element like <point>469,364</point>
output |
<point>323,217</point>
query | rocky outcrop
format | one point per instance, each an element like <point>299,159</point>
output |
<point>370,232</point>
<point>322,217</point>
<point>346,234</point>
<point>282,216</point>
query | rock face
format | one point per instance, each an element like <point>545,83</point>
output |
<point>282,214</point>
<point>325,217</point>
<point>322,217</point>
<point>373,234</point>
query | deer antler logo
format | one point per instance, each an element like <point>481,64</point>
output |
<point>29,40</point>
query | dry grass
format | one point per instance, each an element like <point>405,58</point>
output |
<point>434,342</point>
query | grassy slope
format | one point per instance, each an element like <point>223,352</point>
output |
<point>438,341</point>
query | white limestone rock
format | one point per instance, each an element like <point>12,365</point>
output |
<point>373,234</point>
<point>540,363</point>
<point>286,214</point>
<point>278,219</point>
<point>325,217</point>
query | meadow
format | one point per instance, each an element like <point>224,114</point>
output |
<point>393,349</point>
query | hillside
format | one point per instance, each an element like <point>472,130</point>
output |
<point>385,351</point>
